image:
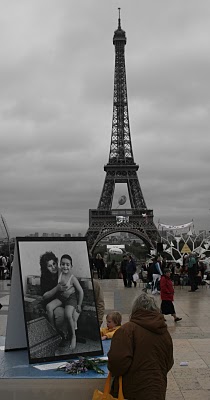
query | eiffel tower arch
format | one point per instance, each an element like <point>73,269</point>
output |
<point>121,168</point>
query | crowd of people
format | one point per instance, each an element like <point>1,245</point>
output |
<point>161,275</point>
<point>111,270</point>
<point>191,272</point>
<point>104,270</point>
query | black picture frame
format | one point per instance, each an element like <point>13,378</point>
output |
<point>43,339</point>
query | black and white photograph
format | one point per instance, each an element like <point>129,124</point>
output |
<point>58,297</point>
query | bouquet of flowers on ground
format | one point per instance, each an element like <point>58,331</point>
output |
<point>83,364</point>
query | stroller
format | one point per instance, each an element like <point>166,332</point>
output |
<point>151,285</point>
<point>148,279</point>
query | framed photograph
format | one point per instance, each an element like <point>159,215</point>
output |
<point>58,299</point>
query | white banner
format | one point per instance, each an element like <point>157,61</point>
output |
<point>174,227</point>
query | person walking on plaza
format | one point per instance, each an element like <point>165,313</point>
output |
<point>192,272</point>
<point>141,352</point>
<point>123,270</point>
<point>100,265</point>
<point>3,266</point>
<point>156,275</point>
<point>131,269</point>
<point>167,295</point>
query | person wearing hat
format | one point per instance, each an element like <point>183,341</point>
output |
<point>167,295</point>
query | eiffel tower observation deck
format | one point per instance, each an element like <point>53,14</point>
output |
<point>121,168</point>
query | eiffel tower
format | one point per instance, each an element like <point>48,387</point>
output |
<point>121,168</point>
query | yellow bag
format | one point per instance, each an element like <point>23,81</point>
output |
<point>97,395</point>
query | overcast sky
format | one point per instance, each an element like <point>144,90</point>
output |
<point>56,99</point>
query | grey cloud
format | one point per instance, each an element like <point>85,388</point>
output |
<point>56,78</point>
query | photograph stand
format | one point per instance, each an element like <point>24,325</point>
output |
<point>28,325</point>
<point>25,379</point>
<point>15,332</point>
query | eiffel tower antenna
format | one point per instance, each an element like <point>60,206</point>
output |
<point>119,21</point>
<point>121,168</point>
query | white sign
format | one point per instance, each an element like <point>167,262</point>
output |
<point>121,220</point>
<point>119,246</point>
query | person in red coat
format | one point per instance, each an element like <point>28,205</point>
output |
<point>167,295</point>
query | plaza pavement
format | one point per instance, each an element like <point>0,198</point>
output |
<point>191,336</point>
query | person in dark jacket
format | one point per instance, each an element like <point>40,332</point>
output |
<point>150,270</point>
<point>131,269</point>
<point>192,272</point>
<point>142,353</point>
<point>167,295</point>
<point>100,265</point>
<point>123,270</point>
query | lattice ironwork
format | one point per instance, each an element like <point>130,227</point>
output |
<point>121,167</point>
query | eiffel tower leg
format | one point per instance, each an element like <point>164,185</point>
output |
<point>135,193</point>
<point>105,202</point>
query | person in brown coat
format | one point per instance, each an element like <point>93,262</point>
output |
<point>142,353</point>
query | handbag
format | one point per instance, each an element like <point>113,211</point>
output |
<point>135,277</point>
<point>98,395</point>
